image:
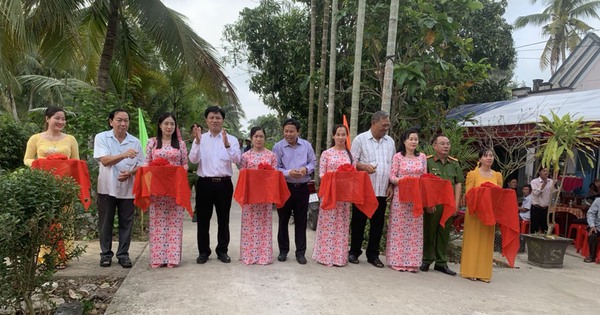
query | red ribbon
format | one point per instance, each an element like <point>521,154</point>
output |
<point>57,156</point>
<point>159,162</point>
<point>346,168</point>
<point>265,166</point>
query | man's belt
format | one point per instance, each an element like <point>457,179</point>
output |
<point>296,185</point>
<point>216,179</point>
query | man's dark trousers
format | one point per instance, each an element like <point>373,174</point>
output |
<point>298,205</point>
<point>217,192</point>
<point>358,223</point>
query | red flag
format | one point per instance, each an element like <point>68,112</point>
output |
<point>345,122</point>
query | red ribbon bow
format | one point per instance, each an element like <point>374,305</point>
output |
<point>346,168</point>
<point>265,166</point>
<point>159,162</point>
<point>57,156</point>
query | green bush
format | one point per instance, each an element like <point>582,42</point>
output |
<point>33,201</point>
<point>12,143</point>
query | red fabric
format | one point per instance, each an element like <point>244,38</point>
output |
<point>346,168</point>
<point>432,191</point>
<point>166,180</point>
<point>352,186</point>
<point>59,165</point>
<point>492,205</point>
<point>159,162</point>
<point>571,183</point>
<point>261,186</point>
<point>265,166</point>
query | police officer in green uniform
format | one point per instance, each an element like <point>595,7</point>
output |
<point>435,238</point>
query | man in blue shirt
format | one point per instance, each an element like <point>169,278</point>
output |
<point>296,159</point>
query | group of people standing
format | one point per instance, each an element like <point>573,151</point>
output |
<point>413,243</point>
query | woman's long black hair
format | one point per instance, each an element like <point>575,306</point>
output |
<point>174,138</point>
<point>335,128</point>
<point>403,137</point>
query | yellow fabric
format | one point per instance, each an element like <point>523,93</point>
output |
<point>38,147</point>
<point>478,240</point>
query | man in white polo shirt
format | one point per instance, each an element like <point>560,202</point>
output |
<point>119,155</point>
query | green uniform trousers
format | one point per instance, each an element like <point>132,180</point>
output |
<point>435,238</point>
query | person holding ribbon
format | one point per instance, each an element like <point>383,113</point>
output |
<point>50,142</point>
<point>478,240</point>
<point>165,215</point>
<point>256,240</point>
<point>331,242</point>
<point>404,246</point>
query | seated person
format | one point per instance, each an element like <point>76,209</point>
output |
<point>526,203</point>
<point>594,191</point>
<point>593,221</point>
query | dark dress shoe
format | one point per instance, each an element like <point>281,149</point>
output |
<point>301,260</point>
<point>201,259</point>
<point>376,262</point>
<point>105,262</point>
<point>224,258</point>
<point>125,262</point>
<point>445,270</point>
<point>588,260</point>
<point>424,267</point>
<point>282,257</point>
<point>352,259</point>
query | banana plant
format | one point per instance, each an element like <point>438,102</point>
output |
<point>564,137</point>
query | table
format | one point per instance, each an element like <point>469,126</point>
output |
<point>580,214</point>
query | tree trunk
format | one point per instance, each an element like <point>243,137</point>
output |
<point>322,80</point>
<point>311,82</point>
<point>13,105</point>
<point>360,27</point>
<point>386,95</point>
<point>109,46</point>
<point>332,66</point>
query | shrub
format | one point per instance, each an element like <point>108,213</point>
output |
<point>34,202</point>
<point>12,143</point>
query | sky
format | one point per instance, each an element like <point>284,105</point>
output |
<point>209,17</point>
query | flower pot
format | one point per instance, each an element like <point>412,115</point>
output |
<point>546,252</point>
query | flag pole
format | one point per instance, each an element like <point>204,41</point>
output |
<point>143,136</point>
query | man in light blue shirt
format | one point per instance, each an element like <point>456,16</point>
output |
<point>593,220</point>
<point>296,159</point>
<point>119,155</point>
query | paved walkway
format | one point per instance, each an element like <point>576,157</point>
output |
<point>290,288</point>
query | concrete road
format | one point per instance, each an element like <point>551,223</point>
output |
<point>290,288</point>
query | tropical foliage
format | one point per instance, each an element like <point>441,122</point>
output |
<point>562,23</point>
<point>141,51</point>
<point>437,67</point>
<point>565,136</point>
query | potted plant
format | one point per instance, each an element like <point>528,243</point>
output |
<point>565,136</point>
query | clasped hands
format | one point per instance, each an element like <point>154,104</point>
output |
<point>298,173</point>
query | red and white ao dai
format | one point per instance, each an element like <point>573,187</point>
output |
<point>256,241</point>
<point>404,246</point>
<point>165,216</point>
<point>331,242</point>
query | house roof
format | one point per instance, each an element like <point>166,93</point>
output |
<point>578,64</point>
<point>527,110</point>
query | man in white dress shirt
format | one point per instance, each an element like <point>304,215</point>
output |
<point>214,151</point>
<point>541,192</point>
<point>373,151</point>
<point>119,155</point>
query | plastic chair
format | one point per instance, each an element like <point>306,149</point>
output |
<point>580,238</point>
<point>525,227</point>
<point>575,227</point>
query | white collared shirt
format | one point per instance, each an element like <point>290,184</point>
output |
<point>539,196</point>
<point>213,159</point>
<point>106,144</point>
<point>367,150</point>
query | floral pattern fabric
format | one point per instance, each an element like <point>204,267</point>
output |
<point>165,216</point>
<point>256,240</point>
<point>404,246</point>
<point>331,242</point>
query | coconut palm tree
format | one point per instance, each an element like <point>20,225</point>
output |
<point>386,93</point>
<point>311,82</point>
<point>360,27</point>
<point>561,23</point>
<point>332,65</point>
